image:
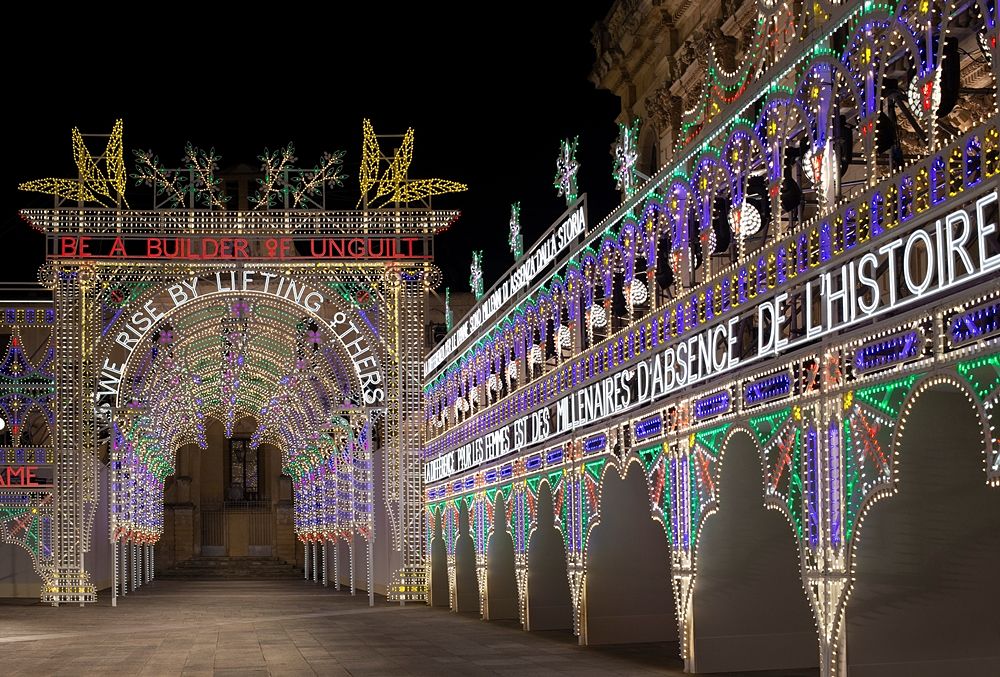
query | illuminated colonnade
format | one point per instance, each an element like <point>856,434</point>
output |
<point>812,339</point>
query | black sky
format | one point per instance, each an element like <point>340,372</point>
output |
<point>489,95</point>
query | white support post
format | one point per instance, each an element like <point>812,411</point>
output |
<point>350,553</point>
<point>305,558</point>
<point>114,573</point>
<point>371,586</point>
<point>123,552</point>
<point>336,564</point>
<point>326,562</point>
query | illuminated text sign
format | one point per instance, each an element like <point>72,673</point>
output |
<point>138,322</point>
<point>533,264</point>
<point>959,248</point>
<point>22,476</point>
<point>239,248</point>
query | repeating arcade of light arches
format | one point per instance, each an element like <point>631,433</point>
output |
<point>232,356</point>
<point>720,169</point>
<point>866,430</point>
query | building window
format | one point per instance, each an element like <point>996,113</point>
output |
<point>244,471</point>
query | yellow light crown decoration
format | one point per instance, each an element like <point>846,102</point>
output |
<point>94,183</point>
<point>393,185</point>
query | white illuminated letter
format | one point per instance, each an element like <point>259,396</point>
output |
<point>868,280</point>
<point>986,263</point>
<point>924,236</point>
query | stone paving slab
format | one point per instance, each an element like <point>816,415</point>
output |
<point>293,627</point>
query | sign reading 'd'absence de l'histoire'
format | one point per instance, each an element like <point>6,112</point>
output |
<point>921,262</point>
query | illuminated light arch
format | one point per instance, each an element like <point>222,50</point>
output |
<point>462,572</point>
<point>742,153</point>
<point>652,227</point>
<point>748,435</point>
<point>595,475</point>
<point>603,466</point>
<point>260,383</point>
<point>370,344</point>
<point>437,563</point>
<point>922,384</point>
<point>492,499</point>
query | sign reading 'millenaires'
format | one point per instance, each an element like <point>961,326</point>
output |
<point>570,226</point>
<point>928,259</point>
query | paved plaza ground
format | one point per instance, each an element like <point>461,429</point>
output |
<point>292,627</point>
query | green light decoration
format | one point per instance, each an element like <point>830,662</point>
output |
<point>476,274</point>
<point>649,455</point>
<point>516,239</point>
<point>357,294</point>
<point>566,170</point>
<point>888,398</point>
<point>795,485</point>
<point>712,438</point>
<point>766,426</point>
<point>626,156</point>
<point>284,185</point>
<point>197,179</point>
<point>449,318</point>
<point>982,373</point>
<point>594,468</point>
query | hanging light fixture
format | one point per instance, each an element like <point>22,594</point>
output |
<point>637,292</point>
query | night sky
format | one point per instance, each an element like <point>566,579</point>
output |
<point>489,103</point>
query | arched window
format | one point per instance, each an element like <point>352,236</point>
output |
<point>244,471</point>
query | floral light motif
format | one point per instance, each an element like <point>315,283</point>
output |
<point>476,274</point>
<point>393,185</point>
<point>626,156</point>
<point>515,238</point>
<point>104,186</point>
<point>566,170</point>
<point>449,319</point>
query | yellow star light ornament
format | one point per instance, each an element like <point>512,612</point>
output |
<point>105,186</point>
<point>393,186</point>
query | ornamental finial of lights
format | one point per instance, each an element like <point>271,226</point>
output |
<point>94,183</point>
<point>566,170</point>
<point>626,156</point>
<point>449,318</point>
<point>392,185</point>
<point>516,239</point>
<point>476,274</point>
<point>284,184</point>
<point>197,179</point>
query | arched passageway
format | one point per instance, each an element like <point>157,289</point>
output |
<point>501,582</point>
<point>926,599</point>
<point>439,564</point>
<point>750,611</point>
<point>549,606</point>
<point>628,593</point>
<point>466,584</point>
